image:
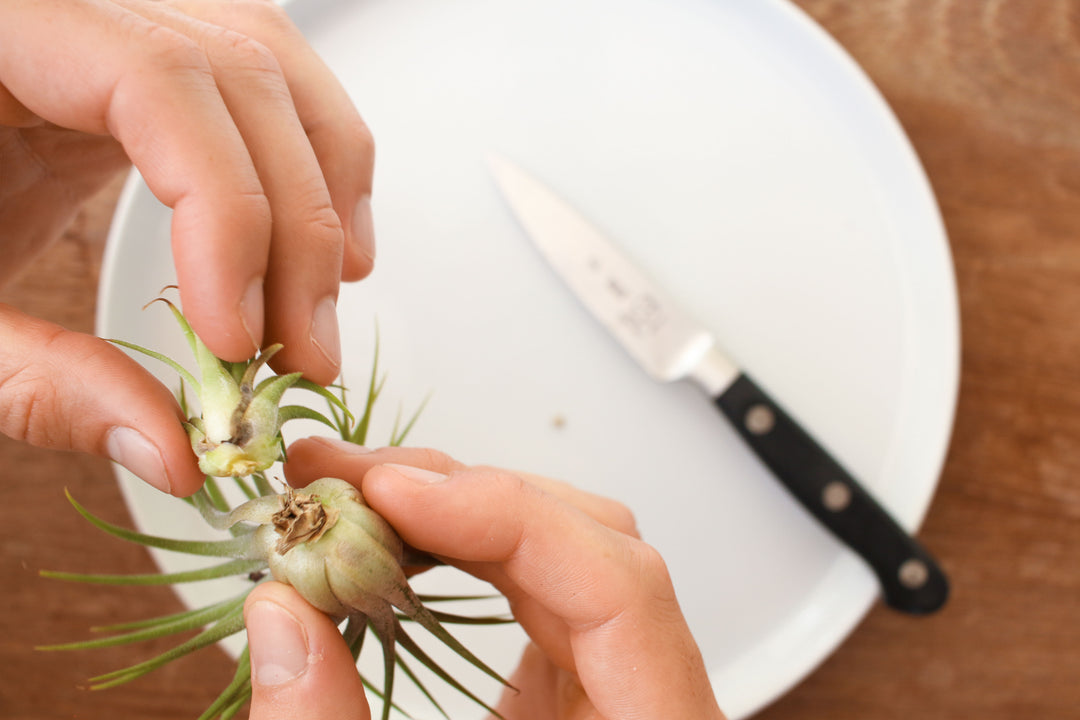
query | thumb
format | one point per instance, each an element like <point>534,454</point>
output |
<point>301,668</point>
<point>69,391</point>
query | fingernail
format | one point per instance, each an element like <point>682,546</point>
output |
<point>278,644</point>
<point>324,331</point>
<point>344,446</point>
<point>418,475</point>
<point>133,450</point>
<point>363,228</point>
<point>251,312</point>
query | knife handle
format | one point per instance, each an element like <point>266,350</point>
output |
<point>910,578</point>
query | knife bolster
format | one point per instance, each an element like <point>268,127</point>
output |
<point>714,372</point>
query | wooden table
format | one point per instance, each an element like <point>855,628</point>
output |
<point>989,92</point>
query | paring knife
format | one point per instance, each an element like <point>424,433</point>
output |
<point>670,345</point>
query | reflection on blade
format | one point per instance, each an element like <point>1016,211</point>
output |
<point>663,339</point>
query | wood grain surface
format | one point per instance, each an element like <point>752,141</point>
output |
<point>989,93</point>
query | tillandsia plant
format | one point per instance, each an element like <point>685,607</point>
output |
<point>324,540</point>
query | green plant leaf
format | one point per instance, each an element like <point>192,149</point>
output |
<point>263,486</point>
<point>181,623</point>
<point>245,487</point>
<point>396,437</point>
<point>305,384</point>
<point>177,367</point>
<point>417,652</point>
<point>297,412</point>
<point>230,624</point>
<point>237,690</point>
<point>375,386</point>
<point>234,548</point>
<point>445,617</point>
<point>160,620</point>
<point>420,685</point>
<point>213,492</point>
<point>233,567</point>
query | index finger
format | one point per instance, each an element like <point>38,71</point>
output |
<point>153,89</point>
<point>339,136</point>
<point>492,516</point>
<point>316,457</point>
<point>632,649</point>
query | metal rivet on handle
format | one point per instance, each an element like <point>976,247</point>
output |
<point>913,573</point>
<point>759,419</point>
<point>836,496</point>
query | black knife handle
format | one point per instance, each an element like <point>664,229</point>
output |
<point>910,578</point>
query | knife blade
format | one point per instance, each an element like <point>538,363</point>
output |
<point>669,344</point>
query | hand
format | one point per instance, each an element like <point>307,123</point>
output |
<point>301,667</point>
<point>608,639</point>
<point>235,123</point>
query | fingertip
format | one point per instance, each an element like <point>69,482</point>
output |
<point>468,514</point>
<point>415,476</point>
<point>326,335</point>
<point>301,457</point>
<point>275,593</point>
<point>232,329</point>
<point>359,258</point>
<point>130,448</point>
<point>171,469</point>
<point>311,458</point>
<point>252,312</point>
<point>301,667</point>
<point>14,114</point>
<point>221,251</point>
<point>314,457</point>
<point>185,477</point>
<point>277,638</point>
<point>79,392</point>
<point>311,345</point>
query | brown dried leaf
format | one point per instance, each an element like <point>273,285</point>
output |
<point>302,518</point>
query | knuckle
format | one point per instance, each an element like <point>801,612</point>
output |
<point>29,399</point>
<point>638,582</point>
<point>25,401</point>
<point>255,207</point>
<point>512,485</point>
<point>172,51</point>
<point>620,517</point>
<point>346,136</point>
<point>435,460</point>
<point>246,52</point>
<point>341,130</point>
<point>322,227</point>
<point>363,139</point>
<point>517,485</point>
<point>650,569</point>
<point>266,14</point>
<point>513,492</point>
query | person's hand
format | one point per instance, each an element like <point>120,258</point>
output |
<point>234,123</point>
<point>609,641</point>
<point>301,668</point>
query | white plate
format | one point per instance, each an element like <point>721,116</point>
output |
<point>734,149</point>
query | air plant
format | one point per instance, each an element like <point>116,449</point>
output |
<point>324,540</point>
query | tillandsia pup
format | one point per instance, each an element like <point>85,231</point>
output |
<point>324,540</point>
<point>238,432</point>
